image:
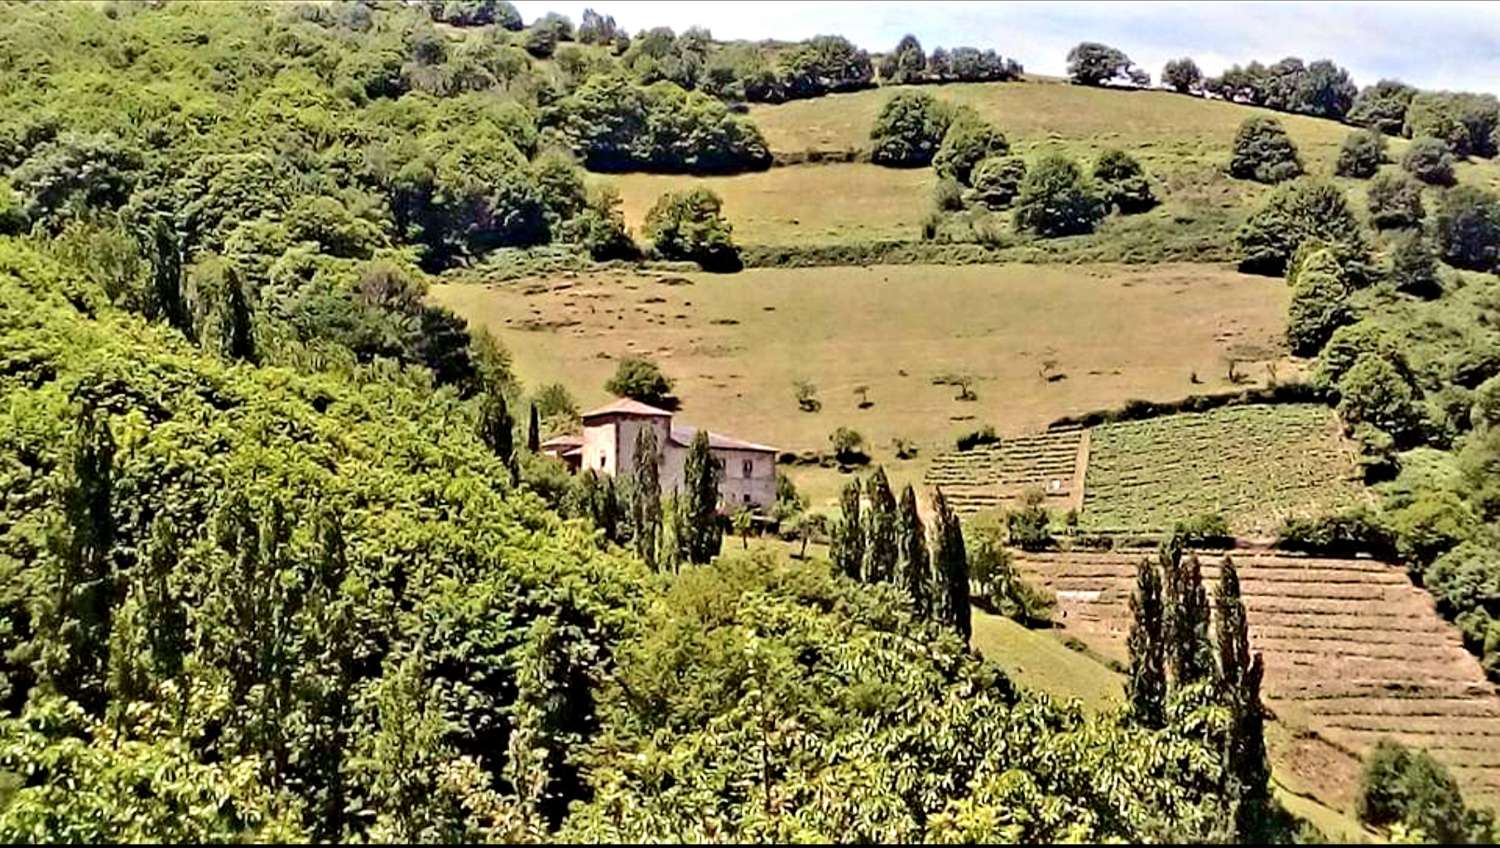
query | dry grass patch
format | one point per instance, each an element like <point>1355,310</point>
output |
<point>1111,333</point>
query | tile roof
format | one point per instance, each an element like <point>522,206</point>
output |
<point>683,436</point>
<point>625,406</point>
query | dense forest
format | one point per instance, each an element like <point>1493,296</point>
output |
<point>280,561</point>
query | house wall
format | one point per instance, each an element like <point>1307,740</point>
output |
<point>609,448</point>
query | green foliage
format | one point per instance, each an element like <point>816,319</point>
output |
<point>905,64</point>
<point>848,445</point>
<point>1146,688</point>
<point>847,547</point>
<point>881,547</point>
<point>1348,343</point>
<point>1240,673</point>
<point>909,130</point>
<point>1394,201</point>
<point>1189,649</point>
<point>641,379</point>
<point>1027,527</point>
<point>1091,63</point>
<point>1296,212</point>
<point>1410,788</point>
<point>997,180</point>
<point>1264,152</point>
<point>690,225</point>
<point>914,564</point>
<point>1182,76</point>
<point>1320,88</point>
<point>1382,106</point>
<point>1467,228</point>
<point>950,561</point>
<point>1056,199</point>
<point>645,495</point>
<point>1432,523</point>
<point>1122,183</point>
<point>947,196</point>
<point>994,573</point>
<point>700,509</point>
<point>614,124</point>
<point>1466,122</point>
<point>1414,267</point>
<point>968,141</point>
<point>1319,306</point>
<point>1430,160</point>
<point>1361,154</point>
<point>1372,391</point>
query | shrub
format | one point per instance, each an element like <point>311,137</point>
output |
<point>1361,154</point>
<point>1486,409</point>
<point>1373,392</point>
<point>1429,160</point>
<point>1395,201</point>
<point>1182,76</point>
<point>641,379</point>
<point>807,396</point>
<point>1294,213</point>
<point>1467,227</point>
<point>1348,343</point>
<point>1264,152</point>
<point>997,180</point>
<point>1463,578</point>
<point>1028,526</point>
<point>1122,182</point>
<point>968,141</point>
<point>1319,306</point>
<point>848,446</point>
<point>601,227</point>
<point>1401,786</point>
<point>1056,199</point>
<point>1433,523</point>
<point>983,436</point>
<point>1209,529</point>
<point>908,130</point>
<point>948,195</point>
<point>1354,531</point>
<point>1414,267</point>
<point>689,225</point>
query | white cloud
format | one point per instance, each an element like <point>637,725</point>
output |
<point>1430,44</point>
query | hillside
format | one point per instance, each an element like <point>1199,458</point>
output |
<point>1183,142</point>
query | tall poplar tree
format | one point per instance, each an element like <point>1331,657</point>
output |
<point>1240,673</point>
<point>701,478</point>
<point>849,536</point>
<point>915,568</point>
<point>1146,690</point>
<point>952,564</point>
<point>881,548</point>
<point>645,505</point>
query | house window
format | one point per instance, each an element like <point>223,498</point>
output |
<point>749,467</point>
<point>747,497</point>
<point>601,462</point>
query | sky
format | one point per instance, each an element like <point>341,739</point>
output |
<point>1427,44</point>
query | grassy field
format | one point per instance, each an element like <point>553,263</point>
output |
<point>735,344</point>
<point>1256,465</point>
<point>1183,142</point>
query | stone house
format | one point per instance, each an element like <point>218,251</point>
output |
<point>607,446</point>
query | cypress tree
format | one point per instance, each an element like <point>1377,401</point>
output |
<point>646,503</point>
<point>701,477</point>
<point>80,612</point>
<point>1189,651</point>
<point>952,565</point>
<point>915,568</point>
<point>237,335</point>
<point>1240,673</point>
<point>497,428</point>
<point>168,302</point>
<point>881,549</point>
<point>1146,690</point>
<point>848,551</point>
<point>534,432</point>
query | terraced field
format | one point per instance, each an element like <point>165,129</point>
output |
<point>1353,651</point>
<point>1256,465</point>
<point>995,476</point>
